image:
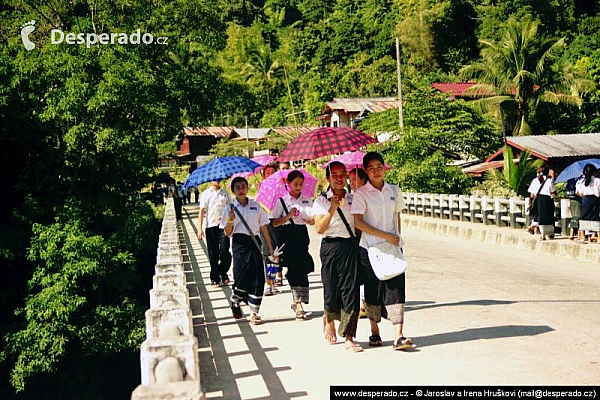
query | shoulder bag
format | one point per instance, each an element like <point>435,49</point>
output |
<point>386,259</point>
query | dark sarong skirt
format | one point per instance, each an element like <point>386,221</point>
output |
<point>297,259</point>
<point>384,298</point>
<point>248,272</point>
<point>341,287</point>
<point>590,214</point>
<point>545,213</point>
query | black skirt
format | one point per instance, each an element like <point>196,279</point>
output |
<point>590,208</point>
<point>248,271</point>
<point>295,253</point>
<point>544,210</point>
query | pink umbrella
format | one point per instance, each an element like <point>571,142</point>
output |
<point>275,187</point>
<point>351,160</point>
<point>262,160</point>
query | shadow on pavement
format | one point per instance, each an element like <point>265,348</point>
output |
<point>493,332</point>
<point>215,367</point>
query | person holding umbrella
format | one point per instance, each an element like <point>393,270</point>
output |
<point>290,215</point>
<point>212,202</point>
<point>589,189</point>
<point>376,207</point>
<point>243,220</point>
<point>339,258</point>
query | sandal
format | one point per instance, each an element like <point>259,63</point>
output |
<point>354,348</point>
<point>226,282</point>
<point>362,313</point>
<point>215,285</point>
<point>403,343</point>
<point>255,319</point>
<point>269,291</point>
<point>236,311</point>
<point>375,341</point>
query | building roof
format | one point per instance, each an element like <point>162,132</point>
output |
<point>557,146</point>
<point>253,133</point>
<point>291,130</point>
<point>217,131</point>
<point>481,168</point>
<point>356,104</point>
<point>455,89</point>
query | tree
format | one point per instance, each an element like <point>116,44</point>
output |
<point>515,174</point>
<point>263,70</point>
<point>520,71</point>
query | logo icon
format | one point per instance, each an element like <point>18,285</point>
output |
<point>26,29</point>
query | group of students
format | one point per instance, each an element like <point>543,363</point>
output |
<point>584,204</point>
<point>348,222</point>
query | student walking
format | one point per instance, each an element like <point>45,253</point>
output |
<point>542,193</point>
<point>290,216</point>
<point>589,189</point>
<point>376,207</point>
<point>339,258</point>
<point>244,219</point>
<point>212,203</point>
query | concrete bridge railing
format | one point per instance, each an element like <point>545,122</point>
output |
<point>498,211</point>
<point>169,355</point>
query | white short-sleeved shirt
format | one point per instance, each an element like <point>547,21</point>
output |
<point>593,189</point>
<point>336,225</point>
<point>378,208</point>
<point>547,189</point>
<point>214,201</point>
<point>303,204</point>
<point>253,213</point>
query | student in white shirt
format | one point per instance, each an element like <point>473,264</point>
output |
<point>248,265</point>
<point>542,193</point>
<point>339,258</point>
<point>589,189</point>
<point>212,202</point>
<point>376,207</point>
<point>290,215</point>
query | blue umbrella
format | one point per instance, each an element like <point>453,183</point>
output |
<point>220,168</point>
<point>576,169</point>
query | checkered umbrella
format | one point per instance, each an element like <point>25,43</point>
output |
<point>351,160</point>
<point>275,186</point>
<point>220,168</point>
<point>324,141</point>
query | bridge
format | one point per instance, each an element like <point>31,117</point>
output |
<point>484,309</point>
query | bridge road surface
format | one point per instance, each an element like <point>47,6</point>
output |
<point>480,315</point>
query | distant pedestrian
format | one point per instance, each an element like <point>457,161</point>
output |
<point>339,258</point>
<point>358,177</point>
<point>376,207</point>
<point>589,189</point>
<point>243,219</point>
<point>574,208</point>
<point>542,194</point>
<point>212,203</point>
<point>290,215</point>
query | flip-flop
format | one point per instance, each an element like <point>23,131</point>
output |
<point>255,320</point>
<point>375,341</point>
<point>331,338</point>
<point>354,348</point>
<point>403,343</point>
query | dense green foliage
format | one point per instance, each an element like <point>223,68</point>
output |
<point>82,127</point>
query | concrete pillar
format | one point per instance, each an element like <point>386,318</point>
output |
<point>564,216</point>
<point>169,279</point>
<point>167,322</point>
<point>424,205</point>
<point>513,210</point>
<point>442,205</point>
<point>498,211</point>
<point>527,214</point>
<point>164,267</point>
<point>170,359</point>
<point>160,296</point>
<point>189,390</point>
<point>473,208</point>
<point>452,206</point>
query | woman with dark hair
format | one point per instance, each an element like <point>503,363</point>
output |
<point>290,216</point>
<point>357,177</point>
<point>339,257</point>
<point>376,207</point>
<point>542,194</point>
<point>589,189</point>
<point>243,220</point>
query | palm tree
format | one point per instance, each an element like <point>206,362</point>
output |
<point>519,71</point>
<point>516,176</point>
<point>263,70</point>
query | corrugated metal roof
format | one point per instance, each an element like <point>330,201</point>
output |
<point>556,146</point>
<point>454,88</point>
<point>355,104</point>
<point>479,169</point>
<point>253,133</point>
<point>217,131</point>
<point>291,131</point>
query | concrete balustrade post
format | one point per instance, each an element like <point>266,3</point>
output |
<point>169,279</point>
<point>498,211</point>
<point>171,294</point>
<point>485,210</point>
<point>432,208</point>
<point>473,208</point>
<point>424,205</point>
<point>169,359</point>
<point>527,213</point>
<point>442,206</point>
<point>564,216</point>
<point>452,206</point>
<point>168,321</point>
<point>513,212</point>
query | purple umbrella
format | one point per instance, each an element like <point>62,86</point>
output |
<point>351,160</point>
<point>275,187</point>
